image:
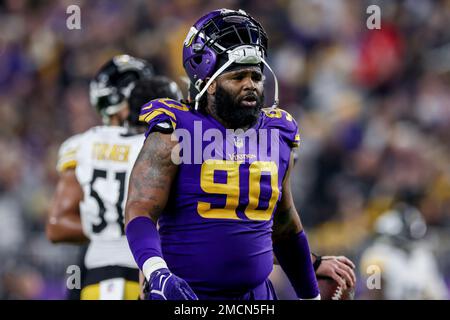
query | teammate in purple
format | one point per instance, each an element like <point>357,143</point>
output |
<point>214,176</point>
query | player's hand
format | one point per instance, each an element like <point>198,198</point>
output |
<point>164,285</point>
<point>338,268</point>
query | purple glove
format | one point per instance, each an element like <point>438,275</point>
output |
<point>164,285</point>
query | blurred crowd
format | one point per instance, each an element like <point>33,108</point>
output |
<point>373,108</point>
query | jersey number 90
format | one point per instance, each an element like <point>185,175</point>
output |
<point>232,189</point>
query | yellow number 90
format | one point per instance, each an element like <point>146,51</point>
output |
<point>231,189</point>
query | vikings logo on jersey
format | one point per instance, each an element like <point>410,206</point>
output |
<point>226,191</point>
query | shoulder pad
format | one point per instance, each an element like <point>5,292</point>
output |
<point>160,111</point>
<point>282,120</point>
<point>67,154</point>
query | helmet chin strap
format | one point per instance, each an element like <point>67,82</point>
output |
<point>214,76</point>
<point>276,100</point>
<point>241,55</point>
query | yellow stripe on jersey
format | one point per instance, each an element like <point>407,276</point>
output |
<point>176,105</point>
<point>154,113</point>
<point>149,116</point>
<point>92,292</point>
<point>70,164</point>
<point>296,141</point>
<point>67,160</point>
<point>288,116</point>
<point>148,107</point>
<point>272,113</point>
<point>277,113</point>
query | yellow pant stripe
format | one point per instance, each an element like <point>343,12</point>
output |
<point>92,292</point>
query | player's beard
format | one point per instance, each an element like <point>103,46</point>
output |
<point>230,110</point>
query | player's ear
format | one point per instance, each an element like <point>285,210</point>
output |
<point>212,88</point>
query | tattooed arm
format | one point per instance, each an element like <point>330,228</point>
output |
<point>149,189</point>
<point>151,178</point>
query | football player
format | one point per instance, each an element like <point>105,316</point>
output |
<point>223,205</point>
<point>338,268</point>
<point>400,264</point>
<point>94,170</point>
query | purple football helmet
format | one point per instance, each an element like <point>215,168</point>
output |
<point>219,39</point>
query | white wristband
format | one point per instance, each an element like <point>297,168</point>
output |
<point>152,264</point>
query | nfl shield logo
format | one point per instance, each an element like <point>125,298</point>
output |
<point>238,142</point>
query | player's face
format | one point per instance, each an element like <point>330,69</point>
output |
<point>239,96</point>
<point>119,118</point>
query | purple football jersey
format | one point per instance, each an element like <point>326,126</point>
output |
<point>216,228</point>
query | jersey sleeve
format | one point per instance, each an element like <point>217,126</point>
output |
<point>286,124</point>
<point>67,154</point>
<point>161,115</point>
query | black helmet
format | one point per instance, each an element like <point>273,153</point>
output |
<point>146,90</point>
<point>404,223</point>
<point>114,81</point>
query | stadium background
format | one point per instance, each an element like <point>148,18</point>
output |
<point>373,108</point>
